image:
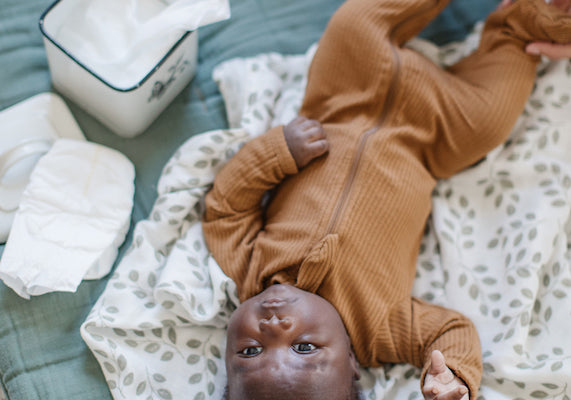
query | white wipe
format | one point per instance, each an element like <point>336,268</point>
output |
<point>123,40</point>
<point>73,216</point>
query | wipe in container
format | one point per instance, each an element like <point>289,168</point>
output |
<point>124,61</point>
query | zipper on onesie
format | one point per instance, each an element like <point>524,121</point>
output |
<point>343,199</point>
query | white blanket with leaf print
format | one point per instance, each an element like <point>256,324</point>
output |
<point>496,248</point>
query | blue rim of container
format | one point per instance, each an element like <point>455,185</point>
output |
<point>91,72</point>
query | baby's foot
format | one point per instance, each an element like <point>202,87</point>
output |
<point>555,19</point>
<point>536,20</point>
<point>563,5</point>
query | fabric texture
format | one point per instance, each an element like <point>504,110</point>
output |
<point>494,249</point>
<point>42,355</point>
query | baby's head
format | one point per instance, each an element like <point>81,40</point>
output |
<point>286,343</point>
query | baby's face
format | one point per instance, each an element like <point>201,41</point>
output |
<point>288,340</point>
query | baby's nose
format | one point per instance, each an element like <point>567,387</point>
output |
<point>275,324</point>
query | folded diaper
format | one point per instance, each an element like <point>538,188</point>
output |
<point>73,216</point>
<point>27,131</point>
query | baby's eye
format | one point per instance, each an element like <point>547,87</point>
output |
<point>251,351</point>
<point>304,347</point>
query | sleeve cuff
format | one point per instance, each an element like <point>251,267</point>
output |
<point>283,155</point>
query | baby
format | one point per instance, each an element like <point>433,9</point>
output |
<point>324,269</point>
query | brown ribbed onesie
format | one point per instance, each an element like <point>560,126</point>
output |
<point>349,225</point>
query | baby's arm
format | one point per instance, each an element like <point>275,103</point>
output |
<point>234,212</point>
<point>234,215</point>
<point>412,331</point>
<point>306,140</point>
<point>440,382</point>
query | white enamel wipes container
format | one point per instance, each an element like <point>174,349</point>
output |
<point>129,108</point>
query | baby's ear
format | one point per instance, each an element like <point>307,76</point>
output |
<point>354,365</point>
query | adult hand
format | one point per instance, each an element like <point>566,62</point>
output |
<point>306,140</point>
<point>552,51</point>
<point>440,382</point>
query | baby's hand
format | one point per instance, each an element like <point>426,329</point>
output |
<point>306,140</point>
<point>440,382</point>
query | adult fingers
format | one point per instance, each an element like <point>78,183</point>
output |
<point>553,51</point>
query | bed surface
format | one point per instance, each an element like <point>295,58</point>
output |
<point>42,355</point>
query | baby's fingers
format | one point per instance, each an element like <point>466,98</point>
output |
<point>313,130</point>
<point>430,392</point>
<point>433,393</point>
<point>438,365</point>
<point>318,147</point>
<point>307,123</point>
<point>456,394</point>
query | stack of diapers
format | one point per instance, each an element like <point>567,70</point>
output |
<point>73,215</point>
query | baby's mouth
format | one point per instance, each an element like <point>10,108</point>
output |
<point>277,296</point>
<point>274,302</point>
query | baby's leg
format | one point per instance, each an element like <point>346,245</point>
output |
<point>488,90</point>
<point>355,54</point>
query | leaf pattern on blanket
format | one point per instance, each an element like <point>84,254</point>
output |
<point>175,297</point>
<point>495,248</point>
